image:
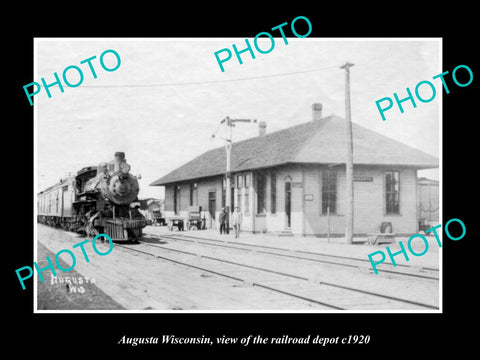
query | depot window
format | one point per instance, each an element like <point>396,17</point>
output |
<point>239,200</point>
<point>329,191</point>
<point>273,193</point>
<point>248,179</point>
<point>392,192</point>
<point>176,199</point>
<point>239,181</point>
<point>193,194</point>
<point>261,187</point>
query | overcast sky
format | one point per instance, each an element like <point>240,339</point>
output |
<point>168,96</point>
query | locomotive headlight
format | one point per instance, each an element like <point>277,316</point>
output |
<point>124,168</point>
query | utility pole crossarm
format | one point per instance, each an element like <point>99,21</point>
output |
<point>347,65</point>
<point>233,121</point>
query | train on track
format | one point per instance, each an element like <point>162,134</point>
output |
<point>96,200</point>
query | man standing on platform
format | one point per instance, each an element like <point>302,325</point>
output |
<point>237,221</point>
<point>222,220</point>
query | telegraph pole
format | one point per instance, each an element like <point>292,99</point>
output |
<point>228,148</point>
<point>349,161</point>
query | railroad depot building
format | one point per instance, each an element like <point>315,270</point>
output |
<point>293,180</point>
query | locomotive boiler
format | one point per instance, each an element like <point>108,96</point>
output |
<point>98,199</point>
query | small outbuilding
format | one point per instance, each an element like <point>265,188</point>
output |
<point>152,208</point>
<point>428,200</point>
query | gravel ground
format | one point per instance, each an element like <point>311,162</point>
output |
<point>137,281</point>
<point>142,282</point>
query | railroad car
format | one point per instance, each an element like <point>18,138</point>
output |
<point>96,200</point>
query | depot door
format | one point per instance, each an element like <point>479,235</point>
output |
<point>212,206</point>
<point>288,203</point>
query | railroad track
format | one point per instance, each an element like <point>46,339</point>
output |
<point>328,294</point>
<point>343,261</point>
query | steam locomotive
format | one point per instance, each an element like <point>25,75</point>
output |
<point>97,200</point>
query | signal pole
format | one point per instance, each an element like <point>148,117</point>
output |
<point>230,123</point>
<point>349,160</point>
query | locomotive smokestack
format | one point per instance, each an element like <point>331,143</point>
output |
<point>119,158</point>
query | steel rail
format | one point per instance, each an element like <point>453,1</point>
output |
<point>233,278</point>
<point>277,273</point>
<point>223,244</point>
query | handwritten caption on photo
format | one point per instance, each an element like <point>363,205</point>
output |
<point>50,266</point>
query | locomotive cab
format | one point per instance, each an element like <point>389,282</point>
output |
<point>83,176</point>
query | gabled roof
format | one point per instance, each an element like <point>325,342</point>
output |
<point>320,141</point>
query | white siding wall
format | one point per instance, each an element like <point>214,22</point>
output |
<point>306,215</point>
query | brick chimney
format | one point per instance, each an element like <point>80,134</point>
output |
<point>316,111</point>
<point>262,128</point>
